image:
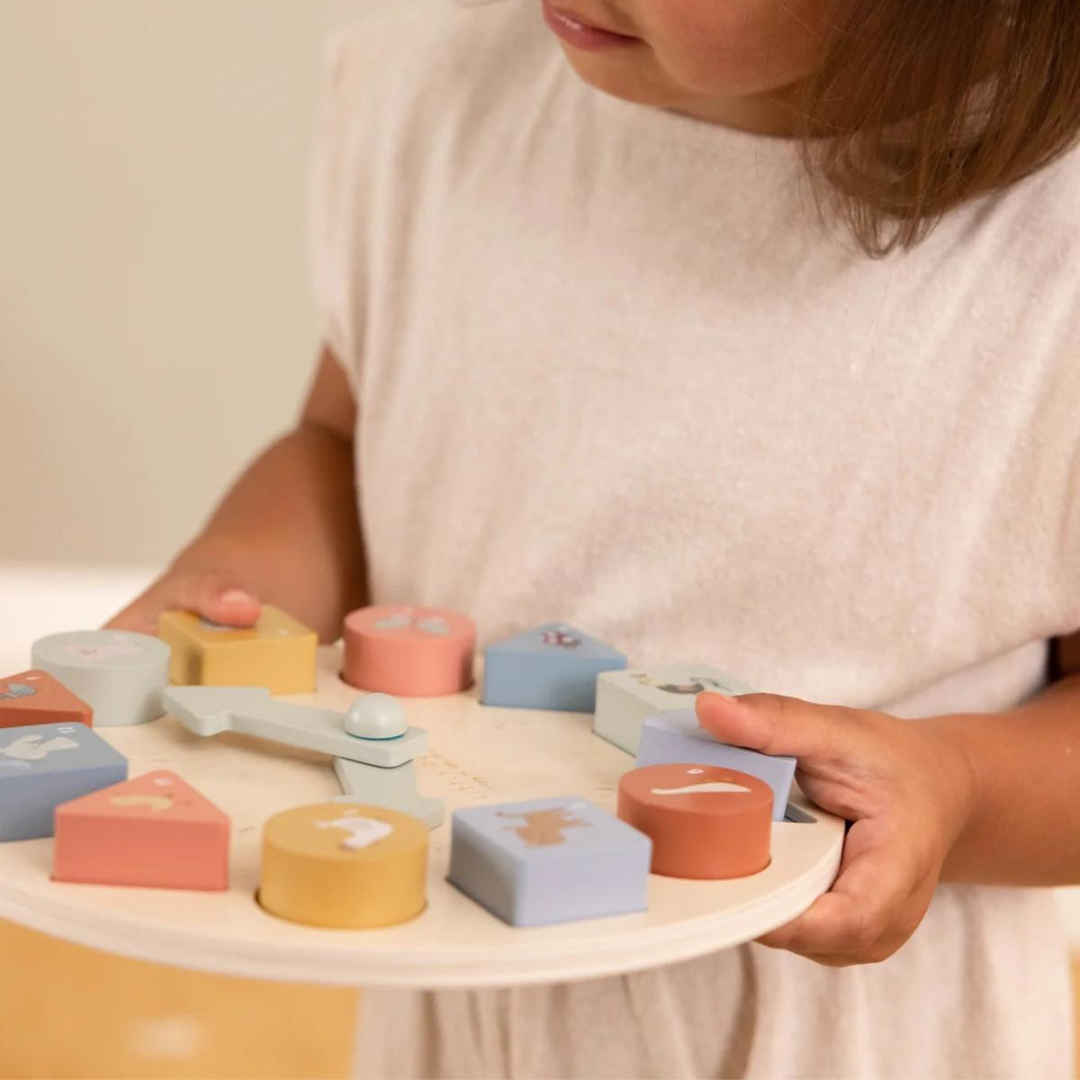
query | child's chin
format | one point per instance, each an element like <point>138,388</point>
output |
<point>620,73</point>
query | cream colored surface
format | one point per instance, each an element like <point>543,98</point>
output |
<point>155,324</point>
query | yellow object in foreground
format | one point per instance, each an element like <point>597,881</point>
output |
<point>345,866</point>
<point>278,652</point>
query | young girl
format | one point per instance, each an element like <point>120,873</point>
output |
<point>606,340</point>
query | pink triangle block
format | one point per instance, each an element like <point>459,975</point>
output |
<point>154,831</point>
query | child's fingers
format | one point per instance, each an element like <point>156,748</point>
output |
<point>219,598</point>
<point>874,906</point>
<point>782,725</point>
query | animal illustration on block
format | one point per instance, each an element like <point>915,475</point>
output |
<point>709,787</point>
<point>104,652</point>
<point>626,699</point>
<point>156,804</point>
<point>36,747</point>
<point>566,859</point>
<point>16,690</point>
<point>696,684</point>
<point>430,624</point>
<point>363,831</point>
<point>551,667</point>
<point>544,828</point>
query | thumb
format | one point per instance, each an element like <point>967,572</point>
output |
<point>222,599</point>
<point>775,724</point>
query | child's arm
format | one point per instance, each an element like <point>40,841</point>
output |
<point>287,532</point>
<point>980,799</point>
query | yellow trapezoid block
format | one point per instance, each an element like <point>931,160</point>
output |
<point>278,652</point>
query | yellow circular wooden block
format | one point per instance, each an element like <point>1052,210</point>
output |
<point>345,866</point>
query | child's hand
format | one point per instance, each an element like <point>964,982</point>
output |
<point>208,584</point>
<point>907,787</point>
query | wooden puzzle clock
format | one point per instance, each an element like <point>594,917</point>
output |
<point>249,855</point>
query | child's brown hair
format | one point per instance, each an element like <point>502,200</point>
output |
<point>921,105</point>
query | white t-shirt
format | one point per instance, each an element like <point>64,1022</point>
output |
<point>612,369</point>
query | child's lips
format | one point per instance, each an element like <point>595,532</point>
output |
<point>579,34</point>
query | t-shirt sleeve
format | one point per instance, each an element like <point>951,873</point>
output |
<point>332,215</point>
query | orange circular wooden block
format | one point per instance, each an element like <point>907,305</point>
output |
<point>344,866</point>
<point>414,652</point>
<point>704,821</point>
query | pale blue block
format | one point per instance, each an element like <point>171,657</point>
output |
<point>549,861</point>
<point>44,765</point>
<point>528,672</point>
<point>676,738</point>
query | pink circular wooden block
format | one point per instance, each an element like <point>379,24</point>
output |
<point>414,652</point>
<point>704,821</point>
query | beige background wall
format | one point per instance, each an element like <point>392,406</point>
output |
<point>155,318</point>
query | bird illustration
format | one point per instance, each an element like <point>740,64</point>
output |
<point>155,803</point>
<point>36,747</point>
<point>16,690</point>
<point>363,831</point>
<point>402,620</point>
<point>709,787</point>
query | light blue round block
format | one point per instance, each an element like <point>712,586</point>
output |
<point>119,674</point>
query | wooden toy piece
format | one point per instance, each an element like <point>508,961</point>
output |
<point>705,822</point>
<point>44,765</point>
<point>210,710</point>
<point>376,716</point>
<point>278,652</point>
<point>548,861</point>
<point>415,652</point>
<point>119,674</point>
<point>154,831</point>
<point>678,737</point>
<point>394,789</point>
<point>349,867</point>
<point>553,666</point>
<point>35,697</point>
<point>625,699</point>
